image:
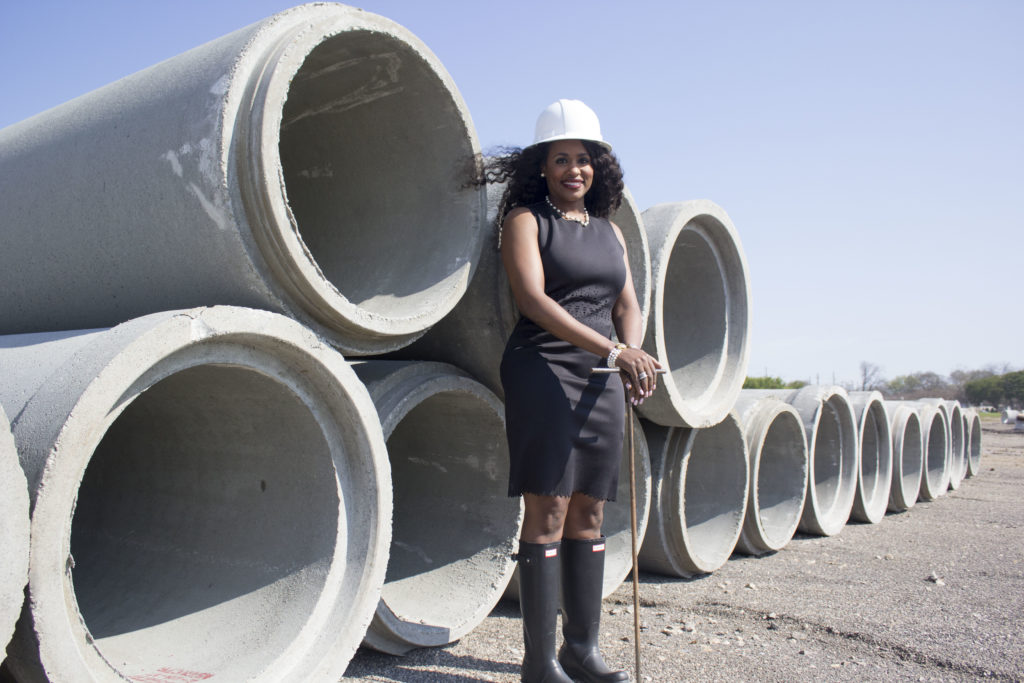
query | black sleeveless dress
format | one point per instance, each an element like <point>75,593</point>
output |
<point>564,424</point>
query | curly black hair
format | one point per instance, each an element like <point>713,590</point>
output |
<point>520,169</point>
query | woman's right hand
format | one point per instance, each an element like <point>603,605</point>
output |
<point>639,372</point>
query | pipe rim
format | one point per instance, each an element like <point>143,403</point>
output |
<point>14,531</point>
<point>874,477</point>
<point>283,234</point>
<point>767,418</point>
<point>714,389</point>
<point>411,392</point>
<point>827,514</point>
<point>907,467</point>
<point>194,339</point>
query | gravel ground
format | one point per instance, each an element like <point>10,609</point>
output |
<point>932,594</point>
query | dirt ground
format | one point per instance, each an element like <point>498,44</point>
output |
<point>932,594</point>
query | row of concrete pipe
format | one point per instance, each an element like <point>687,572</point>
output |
<point>251,416</point>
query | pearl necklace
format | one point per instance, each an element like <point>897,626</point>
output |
<point>585,221</point>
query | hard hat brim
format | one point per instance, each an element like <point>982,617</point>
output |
<point>607,145</point>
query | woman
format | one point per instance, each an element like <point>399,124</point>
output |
<point>569,274</point>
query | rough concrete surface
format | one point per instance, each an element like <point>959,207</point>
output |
<point>935,593</point>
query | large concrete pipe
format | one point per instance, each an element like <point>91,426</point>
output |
<point>618,560</point>
<point>455,527</point>
<point>833,454</point>
<point>874,478</point>
<point>957,447</point>
<point>14,532</point>
<point>907,456</point>
<point>699,324</point>
<point>972,441</point>
<point>935,445</point>
<point>210,492</point>
<point>700,479</point>
<point>1008,416</point>
<point>473,335</point>
<point>777,451</point>
<point>257,170</point>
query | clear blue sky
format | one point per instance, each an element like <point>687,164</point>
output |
<point>869,152</point>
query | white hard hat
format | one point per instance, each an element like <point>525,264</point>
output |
<point>568,120</point>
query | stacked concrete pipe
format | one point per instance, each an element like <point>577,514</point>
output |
<point>210,493</point>
<point>874,477</point>
<point>14,532</point>
<point>935,447</point>
<point>777,451</point>
<point>618,560</point>
<point>455,527</point>
<point>972,442</point>
<point>699,323</point>
<point>957,447</point>
<point>256,170</point>
<point>833,454</point>
<point>907,456</point>
<point>472,337</point>
<point>699,497</point>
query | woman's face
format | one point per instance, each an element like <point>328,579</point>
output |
<point>568,171</point>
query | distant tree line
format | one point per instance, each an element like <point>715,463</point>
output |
<point>997,387</point>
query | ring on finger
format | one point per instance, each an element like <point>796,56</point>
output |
<point>642,376</point>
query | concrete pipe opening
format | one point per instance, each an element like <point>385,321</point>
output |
<point>701,478</point>
<point>315,164</point>
<point>455,528</point>
<point>935,478</point>
<point>875,474</point>
<point>216,502</point>
<point>699,323</point>
<point>14,532</point>
<point>373,139</point>
<point>834,458</point>
<point>907,458</point>
<point>973,441</point>
<point>777,450</point>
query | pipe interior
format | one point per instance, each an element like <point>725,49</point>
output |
<point>374,154</point>
<point>205,524</point>
<point>935,455</point>
<point>695,314</point>
<point>873,444</point>
<point>911,457</point>
<point>828,458</point>
<point>974,446</point>
<point>715,490</point>
<point>956,432</point>
<point>781,479</point>
<point>452,513</point>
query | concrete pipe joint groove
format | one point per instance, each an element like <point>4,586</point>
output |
<point>777,451</point>
<point>472,337</point>
<point>699,324</point>
<point>833,454</point>
<point>211,495</point>
<point>699,497</point>
<point>907,456</point>
<point>14,532</point>
<point>268,156</point>
<point>618,556</point>
<point>875,476</point>
<point>455,527</point>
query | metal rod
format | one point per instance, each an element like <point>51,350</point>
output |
<point>633,533</point>
<point>610,371</point>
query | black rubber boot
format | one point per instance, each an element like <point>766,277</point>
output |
<point>582,585</point>
<point>538,601</point>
